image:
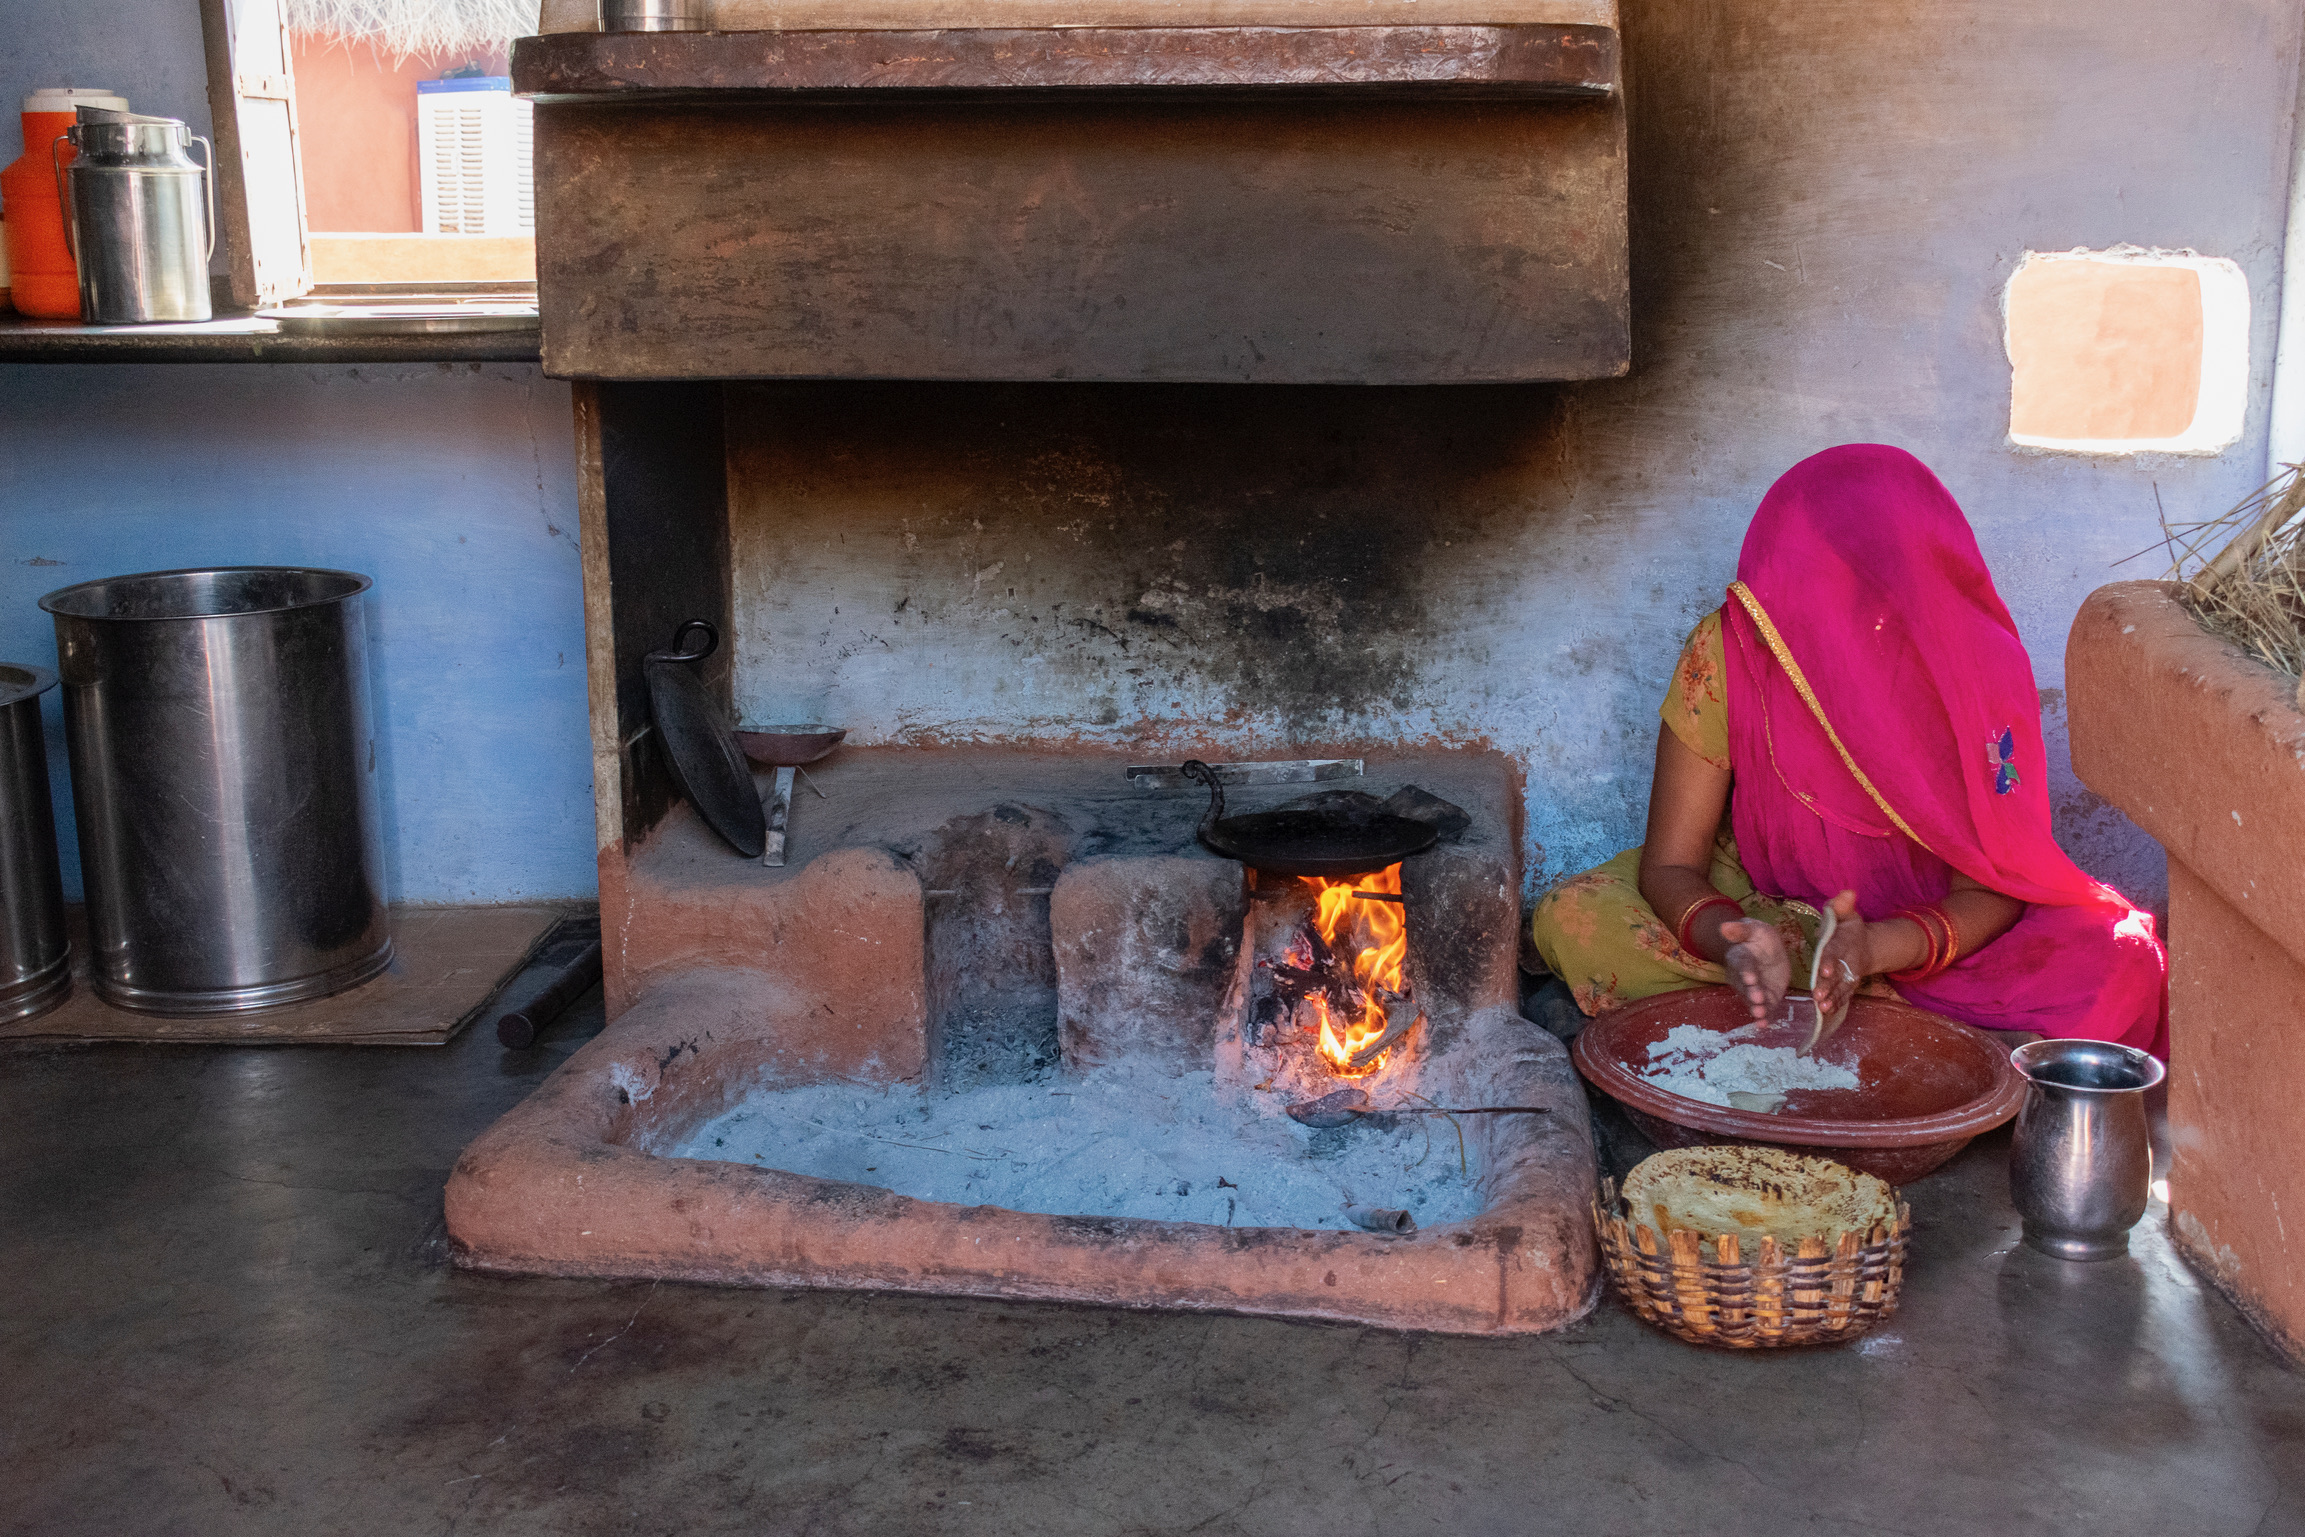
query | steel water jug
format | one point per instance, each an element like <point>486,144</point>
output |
<point>2081,1167</point>
<point>142,216</point>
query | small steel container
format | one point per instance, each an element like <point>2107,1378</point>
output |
<point>35,965</point>
<point>141,214</point>
<point>653,16</point>
<point>224,783</point>
<point>2081,1167</point>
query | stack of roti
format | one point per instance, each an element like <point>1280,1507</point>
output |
<point>1751,1191</point>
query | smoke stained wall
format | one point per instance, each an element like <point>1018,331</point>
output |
<point>1828,199</point>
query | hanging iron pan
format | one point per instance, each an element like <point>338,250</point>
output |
<point>1331,843</point>
<point>699,745</point>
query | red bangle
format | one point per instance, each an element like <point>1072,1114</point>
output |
<point>1681,933</point>
<point>1943,938</point>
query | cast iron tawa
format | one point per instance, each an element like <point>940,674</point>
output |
<point>1331,843</point>
<point>698,744</point>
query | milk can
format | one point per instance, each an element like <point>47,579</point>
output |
<point>142,216</point>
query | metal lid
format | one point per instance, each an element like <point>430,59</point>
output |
<point>20,681</point>
<point>132,139</point>
<point>91,112</point>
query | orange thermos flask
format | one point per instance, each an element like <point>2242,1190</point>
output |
<point>41,272</point>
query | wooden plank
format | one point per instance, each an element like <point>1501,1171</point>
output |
<point>446,961</point>
<point>1365,62</point>
<point>245,339</point>
<point>1385,243</point>
<point>921,15</point>
<point>259,177</point>
<point>601,694</point>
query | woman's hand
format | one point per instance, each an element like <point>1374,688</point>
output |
<point>1847,958</point>
<point>1758,965</point>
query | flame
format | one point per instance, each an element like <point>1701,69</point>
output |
<point>1376,936</point>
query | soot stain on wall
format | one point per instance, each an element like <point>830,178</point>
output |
<point>1292,558</point>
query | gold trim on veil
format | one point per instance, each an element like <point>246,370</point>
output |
<point>1784,656</point>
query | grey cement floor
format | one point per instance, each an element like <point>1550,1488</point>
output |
<point>228,1309</point>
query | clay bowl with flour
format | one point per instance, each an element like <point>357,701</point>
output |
<point>1925,1085</point>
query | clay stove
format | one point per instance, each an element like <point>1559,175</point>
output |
<point>929,935</point>
<point>824,288</point>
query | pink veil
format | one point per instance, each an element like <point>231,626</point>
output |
<point>1878,684</point>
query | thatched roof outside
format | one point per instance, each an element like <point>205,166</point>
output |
<point>403,27</point>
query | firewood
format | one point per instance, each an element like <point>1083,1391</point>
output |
<point>1394,1030</point>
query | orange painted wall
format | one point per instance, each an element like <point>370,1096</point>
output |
<point>356,117</point>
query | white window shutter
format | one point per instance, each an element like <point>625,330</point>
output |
<point>473,151</point>
<point>259,174</point>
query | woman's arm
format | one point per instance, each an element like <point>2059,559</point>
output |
<point>1978,913</point>
<point>1686,800</point>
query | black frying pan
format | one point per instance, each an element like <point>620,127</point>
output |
<point>706,763</point>
<point>1332,844</point>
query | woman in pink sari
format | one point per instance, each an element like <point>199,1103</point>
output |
<point>1858,724</point>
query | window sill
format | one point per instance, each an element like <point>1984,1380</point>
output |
<point>245,339</point>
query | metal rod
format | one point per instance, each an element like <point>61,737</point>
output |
<point>1291,771</point>
<point>519,1028</point>
<point>778,807</point>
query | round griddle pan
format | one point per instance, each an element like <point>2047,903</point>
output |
<point>1330,843</point>
<point>706,762</point>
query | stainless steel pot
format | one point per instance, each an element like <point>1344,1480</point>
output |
<point>224,775</point>
<point>653,16</point>
<point>35,965</point>
<point>141,216</point>
<point>2081,1166</point>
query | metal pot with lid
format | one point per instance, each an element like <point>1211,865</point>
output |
<point>140,213</point>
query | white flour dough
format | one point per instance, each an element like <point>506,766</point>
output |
<point>1700,1064</point>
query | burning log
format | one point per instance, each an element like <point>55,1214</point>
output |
<point>1394,1030</point>
<point>1265,1019</point>
<point>1342,974</point>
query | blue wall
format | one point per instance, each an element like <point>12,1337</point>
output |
<point>452,485</point>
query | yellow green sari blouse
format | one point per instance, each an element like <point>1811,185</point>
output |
<point>1594,930</point>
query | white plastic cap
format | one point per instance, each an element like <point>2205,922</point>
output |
<point>64,98</point>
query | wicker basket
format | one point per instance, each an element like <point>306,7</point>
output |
<point>1811,1297</point>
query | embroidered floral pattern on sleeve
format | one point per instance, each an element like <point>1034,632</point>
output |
<point>1696,702</point>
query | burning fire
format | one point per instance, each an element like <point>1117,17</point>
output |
<point>1373,939</point>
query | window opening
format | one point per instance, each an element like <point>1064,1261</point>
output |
<point>405,159</point>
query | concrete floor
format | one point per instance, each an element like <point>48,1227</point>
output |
<point>228,1309</point>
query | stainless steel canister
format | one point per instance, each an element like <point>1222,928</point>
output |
<point>653,16</point>
<point>2081,1164</point>
<point>141,213</point>
<point>224,780</point>
<point>35,964</point>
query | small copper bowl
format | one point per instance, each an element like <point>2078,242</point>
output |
<point>788,746</point>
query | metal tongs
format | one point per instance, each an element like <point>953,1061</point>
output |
<point>1825,1024</point>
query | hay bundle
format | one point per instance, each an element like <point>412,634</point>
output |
<point>2252,592</point>
<point>404,27</point>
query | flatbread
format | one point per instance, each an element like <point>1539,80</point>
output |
<point>1751,1191</point>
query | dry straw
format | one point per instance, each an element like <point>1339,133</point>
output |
<point>2252,591</point>
<point>1816,1295</point>
<point>404,27</point>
